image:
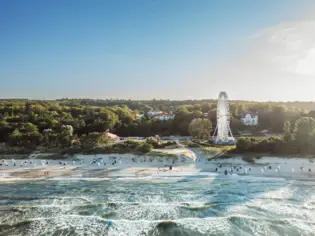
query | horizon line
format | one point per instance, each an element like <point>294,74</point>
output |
<point>164,99</point>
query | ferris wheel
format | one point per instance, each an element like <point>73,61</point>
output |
<point>222,133</point>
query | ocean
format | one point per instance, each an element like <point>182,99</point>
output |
<point>161,206</point>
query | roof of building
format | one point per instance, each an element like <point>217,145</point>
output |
<point>162,114</point>
<point>154,112</point>
<point>111,135</point>
<point>252,113</point>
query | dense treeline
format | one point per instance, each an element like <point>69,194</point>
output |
<point>172,105</point>
<point>296,139</point>
<point>67,121</point>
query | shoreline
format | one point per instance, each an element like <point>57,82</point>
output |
<point>212,153</point>
<point>247,157</point>
<point>64,154</point>
<point>109,166</point>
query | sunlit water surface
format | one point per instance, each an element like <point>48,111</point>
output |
<point>161,207</point>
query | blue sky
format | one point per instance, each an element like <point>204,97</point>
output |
<point>139,49</point>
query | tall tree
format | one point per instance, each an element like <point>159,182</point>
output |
<point>200,128</point>
<point>304,134</point>
<point>287,135</point>
<point>304,128</point>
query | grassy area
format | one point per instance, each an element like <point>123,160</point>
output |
<point>127,147</point>
<point>52,156</point>
<point>161,154</point>
<point>138,147</point>
<point>212,151</point>
<point>218,151</point>
<point>16,150</point>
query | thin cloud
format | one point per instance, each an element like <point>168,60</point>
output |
<point>290,46</point>
<point>277,64</point>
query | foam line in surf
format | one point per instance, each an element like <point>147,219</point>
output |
<point>182,220</point>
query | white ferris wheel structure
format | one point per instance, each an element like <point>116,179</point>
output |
<point>222,133</point>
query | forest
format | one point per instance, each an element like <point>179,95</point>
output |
<point>296,140</point>
<point>32,123</point>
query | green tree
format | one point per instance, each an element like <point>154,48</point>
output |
<point>212,115</point>
<point>50,138</point>
<point>278,115</point>
<point>65,136</point>
<point>236,125</point>
<point>90,140</point>
<point>29,128</point>
<point>67,130</point>
<point>200,128</point>
<point>205,107</point>
<point>304,134</point>
<point>243,144</point>
<point>287,136</point>
<point>94,139</point>
<point>304,128</point>
<point>145,147</point>
<point>197,107</point>
<point>15,137</point>
<point>152,141</point>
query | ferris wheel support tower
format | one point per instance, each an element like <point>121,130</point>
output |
<point>222,134</point>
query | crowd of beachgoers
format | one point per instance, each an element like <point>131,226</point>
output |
<point>133,165</point>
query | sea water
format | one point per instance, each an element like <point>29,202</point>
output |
<point>159,206</point>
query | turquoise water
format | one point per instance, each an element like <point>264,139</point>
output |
<point>242,205</point>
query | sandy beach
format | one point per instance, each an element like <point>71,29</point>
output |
<point>130,195</point>
<point>193,163</point>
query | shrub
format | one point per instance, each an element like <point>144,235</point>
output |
<point>145,148</point>
<point>265,145</point>
<point>167,144</point>
<point>152,141</point>
<point>131,144</point>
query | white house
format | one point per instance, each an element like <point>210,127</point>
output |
<point>250,119</point>
<point>162,116</point>
<point>153,113</point>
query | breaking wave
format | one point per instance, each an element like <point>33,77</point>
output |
<point>166,207</point>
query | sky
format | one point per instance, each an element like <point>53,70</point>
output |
<point>162,49</point>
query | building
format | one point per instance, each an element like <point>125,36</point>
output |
<point>162,116</point>
<point>153,113</point>
<point>111,136</point>
<point>250,119</point>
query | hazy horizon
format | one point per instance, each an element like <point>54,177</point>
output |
<point>169,50</point>
<point>150,99</point>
